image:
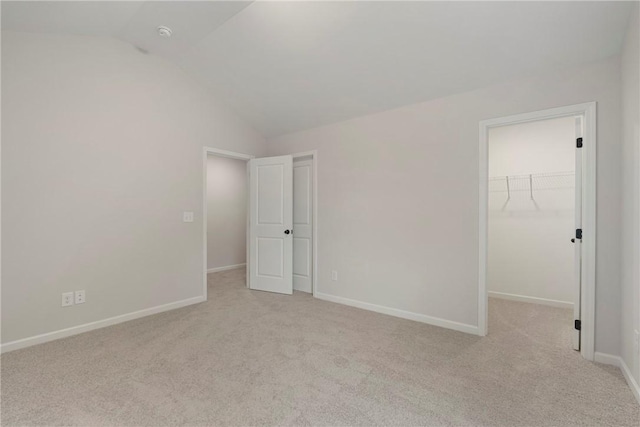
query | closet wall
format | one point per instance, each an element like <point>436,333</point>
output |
<point>531,215</point>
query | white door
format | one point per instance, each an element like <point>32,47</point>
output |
<point>270,224</point>
<point>577,238</point>
<point>302,225</point>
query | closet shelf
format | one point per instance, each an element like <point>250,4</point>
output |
<point>531,182</point>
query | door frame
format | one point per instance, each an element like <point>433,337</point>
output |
<point>206,152</point>
<point>313,154</point>
<point>588,284</point>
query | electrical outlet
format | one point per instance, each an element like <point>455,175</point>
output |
<point>334,275</point>
<point>80,297</point>
<point>67,299</point>
<point>187,216</point>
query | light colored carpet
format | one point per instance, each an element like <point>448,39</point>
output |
<point>254,358</point>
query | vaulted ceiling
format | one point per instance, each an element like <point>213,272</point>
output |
<point>287,66</point>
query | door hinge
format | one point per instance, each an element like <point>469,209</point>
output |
<point>579,233</point>
<point>579,142</point>
<point>577,324</point>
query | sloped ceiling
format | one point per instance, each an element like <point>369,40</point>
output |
<point>287,66</point>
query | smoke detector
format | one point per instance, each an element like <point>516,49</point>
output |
<point>164,31</point>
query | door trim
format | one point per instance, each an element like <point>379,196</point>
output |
<point>210,151</point>
<point>588,285</point>
<point>313,154</point>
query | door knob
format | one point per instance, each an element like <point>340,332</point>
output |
<point>287,231</point>
<point>573,240</point>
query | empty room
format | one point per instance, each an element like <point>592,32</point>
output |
<point>328,213</point>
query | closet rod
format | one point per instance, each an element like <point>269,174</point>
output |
<point>533,175</point>
<point>526,182</point>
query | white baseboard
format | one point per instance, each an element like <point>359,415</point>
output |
<point>226,267</point>
<point>533,300</point>
<point>618,361</point>
<point>75,330</point>
<point>435,321</point>
<point>633,384</point>
<point>607,359</point>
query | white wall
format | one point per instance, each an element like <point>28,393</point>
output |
<point>398,196</point>
<point>226,212</point>
<point>102,151</point>
<point>530,253</point>
<point>631,195</point>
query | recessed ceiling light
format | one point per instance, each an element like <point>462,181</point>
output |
<point>164,31</point>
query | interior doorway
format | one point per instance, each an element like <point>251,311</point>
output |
<point>259,213</point>
<point>532,205</point>
<point>225,199</point>
<point>537,221</point>
<point>226,213</point>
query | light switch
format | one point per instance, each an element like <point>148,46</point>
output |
<point>187,216</point>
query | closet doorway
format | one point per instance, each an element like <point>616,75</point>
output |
<point>537,241</point>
